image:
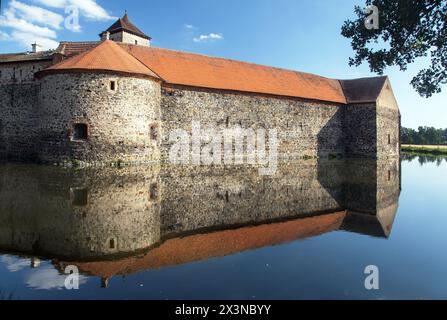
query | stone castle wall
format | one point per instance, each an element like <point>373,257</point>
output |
<point>388,124</point>
<point>119,122</point>
<point>361,132</point>
<point>312,129</point>
<point>19,121</point>
<point>19,117</point>
<point>21,71</point>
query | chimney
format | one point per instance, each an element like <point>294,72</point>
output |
<point>35,262</point>
<point>105,36</point>
<point>36,47</point>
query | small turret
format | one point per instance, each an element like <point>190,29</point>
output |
<point>123,30</point>
<point>36,47</point>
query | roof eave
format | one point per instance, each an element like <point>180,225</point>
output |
<point>46,72</point>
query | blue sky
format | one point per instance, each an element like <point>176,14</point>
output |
<point>302,35</point>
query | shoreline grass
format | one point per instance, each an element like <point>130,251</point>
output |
<point>425,149</point>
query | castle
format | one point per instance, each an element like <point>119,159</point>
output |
<point>119,98</point>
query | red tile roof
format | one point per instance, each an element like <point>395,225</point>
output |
<point>107,56</point>
<point>70,49</point>
<point>26,56</point>
<point>194,70</point>
<point>216,244</point>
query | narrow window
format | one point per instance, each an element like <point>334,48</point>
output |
<point>136,42</point>
<point>112,243</point>
<point>79,197</point>
<point>80,132</point>
<point>228,122</point>
<point>389,175</point>
<point>154,132</point>
<point>389,139</point>
<point>113,85</point>
<point>153,192</point>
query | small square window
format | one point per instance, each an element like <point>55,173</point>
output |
<point>79,197</point>
<point>154,132</point>
<point>113,85</point>
<point>80,132</point>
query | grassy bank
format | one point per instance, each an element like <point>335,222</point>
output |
<point>421,149</point>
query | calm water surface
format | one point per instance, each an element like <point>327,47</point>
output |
<point>213,233</point>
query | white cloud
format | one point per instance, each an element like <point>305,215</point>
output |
<point>209,37</point>
<point>37,15</point>
<point>52,3</point>
<point>189,26</point>
<point>26,39</point>
<point>29,23</point>
<point>88,8</point>
<point>48,278</point>
<point>4,36</point>
<point>14,264</point>
<point>23,30</point>
<point>9,19</point>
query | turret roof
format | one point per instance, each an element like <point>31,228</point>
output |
<point>124,24</point>
<point>107,56</point>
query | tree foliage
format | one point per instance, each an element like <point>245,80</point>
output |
<point>424,136</point>
<point>408,29</point>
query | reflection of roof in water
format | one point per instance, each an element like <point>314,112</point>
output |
<point>216,244</point>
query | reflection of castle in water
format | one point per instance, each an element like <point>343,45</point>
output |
<point>110,221</point>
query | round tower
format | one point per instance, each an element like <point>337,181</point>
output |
<point>100,107</point>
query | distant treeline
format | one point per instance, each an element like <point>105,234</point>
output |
<point>424,136</point>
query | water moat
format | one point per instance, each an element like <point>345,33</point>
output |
<point>166,232</point>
